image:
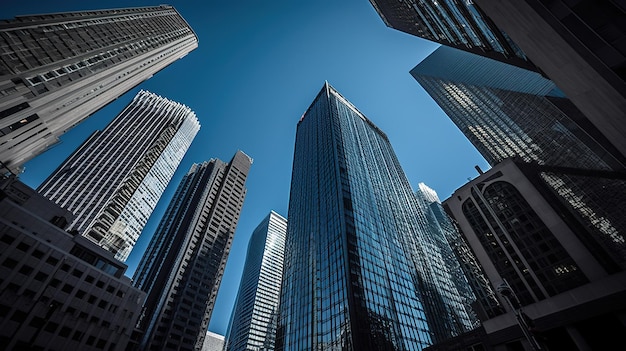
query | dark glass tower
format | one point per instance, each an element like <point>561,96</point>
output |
<point>57,69</point>
<point>182,268</point>
<point>508,111</point>
<point>456,23</point>
<point>361,270</point>
<point>255,314</point>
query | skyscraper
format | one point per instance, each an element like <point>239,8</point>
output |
<point>485,304</point>
<point>255,314</point>
<point>508,111</point>
<point>114,180</point>
<point>361,272</point>
<point>467,274</point>
<point>182,268</point>
<point>581,46</point>
<point>569,277</point>
<point>57,69</point>
<point>455,23</point>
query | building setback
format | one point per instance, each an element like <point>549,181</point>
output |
<point>361,271</point>
<point>182,267</point>
<point>57,69</point>
<point>114,180</point>
<point>569,280</point>
<point>255,313</point>
<point>58,291</point>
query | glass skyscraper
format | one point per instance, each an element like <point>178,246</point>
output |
<point>469,277</point>
<point>182,267</point>
<point>456,23</point>
<point>114,180</point>
<point>255,314</point>
<point>57,69</point>
<point>361,270</point>
<point>508,111</point>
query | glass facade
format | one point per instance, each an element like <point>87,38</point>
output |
<point>182,267</point>
<point>361,270</point>
<point>57,69</point>
<point>456,23</point>
<point>255,313</point>
<point>113,182</point>
<point>469,278</point>
<point>506,111</point>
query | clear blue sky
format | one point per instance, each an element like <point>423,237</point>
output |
<point>258,67</point>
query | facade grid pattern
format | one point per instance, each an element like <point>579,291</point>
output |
<point>113,182</point>
<point>255,313</point>
<point>355,249</point>
<point>57,69</point>
<point>182,267</point>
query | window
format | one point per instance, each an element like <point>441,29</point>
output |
<point>9,263</point>
<point>65,332</point>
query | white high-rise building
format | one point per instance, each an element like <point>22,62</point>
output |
<point>254,318</point>
<point>113,182</point>
<point>57,69</point>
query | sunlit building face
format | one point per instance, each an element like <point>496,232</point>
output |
<point>58,69</point>
<point>114,181</point>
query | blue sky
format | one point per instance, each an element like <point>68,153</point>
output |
<point>258,67</point>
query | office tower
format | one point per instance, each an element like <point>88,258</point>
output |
<point>361,272</point>
<point>213,342</point>
<point>507,111</point>
<point>468,276</point>
<point>581,46</point>
<point>182,268</point>
<point>569,280</point>
<point>57,69</point>
<point>455,23</point>
<point>58,291</point>
<point>255,313</point>
<point>114,180</point>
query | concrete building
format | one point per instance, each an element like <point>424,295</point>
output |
<point>182,267</point>
<point>213,342</point>
<point>58,291</point>
<point>254,318</point>
<point>57,69</point>
<point>114,180</point>
<point>579,45</point>
<point>563,280</point>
